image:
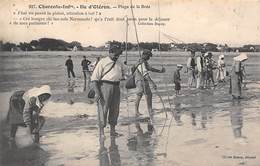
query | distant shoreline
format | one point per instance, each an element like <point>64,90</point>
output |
<point>103,53</point>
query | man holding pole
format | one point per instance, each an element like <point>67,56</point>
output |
<point>106,77</point>
<point>142,80</point>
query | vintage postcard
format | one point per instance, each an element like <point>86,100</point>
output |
<point>129,82</point>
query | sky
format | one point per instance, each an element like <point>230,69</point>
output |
<point>234,22</point>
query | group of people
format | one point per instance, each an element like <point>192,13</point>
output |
<point>87,67</point>
<point>106,78</point>
<point>200,66</point>
<point>108,72</point>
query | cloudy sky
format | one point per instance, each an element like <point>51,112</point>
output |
<point>235,22</point>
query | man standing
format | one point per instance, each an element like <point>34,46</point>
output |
<point>69,65</point>
<point>142,80</point>
<point>85,68</point>
<point>106,77</point>
<point>85,63</point>
<point>191,69</point>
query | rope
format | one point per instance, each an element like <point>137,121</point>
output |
<point>126,54</point>
<point>159,49</point>
<point>166,85</point>
<point>167,139</point>
<point>173,39</point>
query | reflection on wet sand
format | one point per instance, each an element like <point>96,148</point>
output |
<point>204,112</point>
<point>141,144</point>
<point>85,85</point>
<point>32,155</point>
<point>111,157</point>
<point>236,118</point>
<point>205,116</point>
<point>177,113</point>
<point>71,85</point>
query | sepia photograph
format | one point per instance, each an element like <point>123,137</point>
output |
<point>129,83</point>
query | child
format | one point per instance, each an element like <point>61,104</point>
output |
<point>177,79</point>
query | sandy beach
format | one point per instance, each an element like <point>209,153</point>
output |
<point>198,130</point>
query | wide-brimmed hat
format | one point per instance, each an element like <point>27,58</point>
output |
<point>179,65</point>
<point>41,94</point>
<point>36,92</point>
<point>241,57</point>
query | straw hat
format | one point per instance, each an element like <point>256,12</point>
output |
<point>241,57</point>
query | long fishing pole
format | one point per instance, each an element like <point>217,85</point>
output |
<point>101,136</point>
<point>126,40</point>
<point>167,139</point>
<point>126,54</point>
<point>159,49</point>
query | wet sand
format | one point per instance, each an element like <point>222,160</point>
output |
<point>199,129</point>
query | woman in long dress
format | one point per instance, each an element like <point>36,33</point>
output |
<point>236,76</point>
<point>221,73</point>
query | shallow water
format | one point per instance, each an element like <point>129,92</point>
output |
<point>195,132</point>
<point>203,127</point>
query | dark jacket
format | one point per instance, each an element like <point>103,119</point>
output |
<point>84,64</point>
<point>69,64</point>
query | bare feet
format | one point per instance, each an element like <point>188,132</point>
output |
<point>138,114</point>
